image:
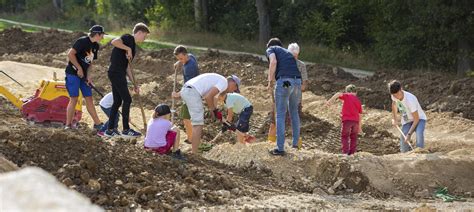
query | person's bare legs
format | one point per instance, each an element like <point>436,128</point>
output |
<point>91,109</point>
<point>240,136</point>
<point>189,128</point>
<point>71,109</point>
<point>176,142</point>
<point>196,139</point>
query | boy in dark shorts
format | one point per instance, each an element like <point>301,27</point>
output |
<point>238,104</point>
<point>188,63</point>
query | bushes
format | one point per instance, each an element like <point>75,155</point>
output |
<point>402,34</point>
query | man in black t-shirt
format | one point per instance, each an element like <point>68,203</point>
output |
<point>78,76</point>
<point>123,53</point>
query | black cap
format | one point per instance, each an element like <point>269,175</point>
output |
<point>162,109</point>
<point>97,29</point>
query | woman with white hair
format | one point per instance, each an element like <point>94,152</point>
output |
<point>295,50</point>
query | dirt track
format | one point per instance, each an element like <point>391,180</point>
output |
<point>119,174</point>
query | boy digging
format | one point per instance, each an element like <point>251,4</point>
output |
<point>413,117</point>
<point>237,104</point>
<point>351,117</point>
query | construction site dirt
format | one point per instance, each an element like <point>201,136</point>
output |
<point>119,174</point>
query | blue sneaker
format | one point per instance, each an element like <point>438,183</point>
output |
<point>111,133</point>
<point>98,126</point>
<point>131,133</point>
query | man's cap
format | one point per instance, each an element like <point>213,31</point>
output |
<point>351,88</point>
<point>97,29</point>
<point>162,109</point>
<point>236,80</point>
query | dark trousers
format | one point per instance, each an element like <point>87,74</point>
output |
<point>121,94</point>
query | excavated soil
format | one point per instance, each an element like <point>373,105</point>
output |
<point>119,174</point>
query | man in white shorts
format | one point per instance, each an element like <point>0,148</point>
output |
<point>205,86</point>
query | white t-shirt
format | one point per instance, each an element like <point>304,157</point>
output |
<point>204,82</point>
<point>237,102</point>
<point>407,106</point>
<point>107,101</point>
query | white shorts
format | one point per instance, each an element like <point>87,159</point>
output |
<point>193,100</point>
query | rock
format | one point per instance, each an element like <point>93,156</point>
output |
<point>235,191</point>
<point>129,187</point>
<point>422,193</point>
<point>85,177</point>
<point>68,182</point>
<point>167,207</point>
<point>337,183</point>
<point>102,199</point>
<point>93,185</point>
<point>326,87</point>
<point>319,191</point>
<point>147,190</point>
<point>331,191</point>
<point>223,193</point>
<point>118,182</point>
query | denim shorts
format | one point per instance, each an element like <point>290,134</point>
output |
<point>244,119</point>
<point>74,83</point>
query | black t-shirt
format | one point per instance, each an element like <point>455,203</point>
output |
<point>118,59</point>
<point>86,52</point>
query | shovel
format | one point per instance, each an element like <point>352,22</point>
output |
<point>139,101</point>
<point>404,137</point>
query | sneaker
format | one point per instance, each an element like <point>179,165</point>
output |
<point>177,155</point>
<point>277,152</point>
<point>67,127</point>
<point>101,133</point>
<point>131,133</point>
<point>111,133</point>
<point>98,126</point>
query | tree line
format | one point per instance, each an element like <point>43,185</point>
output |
<point>405,34</point>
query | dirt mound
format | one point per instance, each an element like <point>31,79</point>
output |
<point>439,92</point>
<point>411,175</point>
<point>15,40</point>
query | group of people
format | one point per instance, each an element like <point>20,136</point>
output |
<point>287,78</point>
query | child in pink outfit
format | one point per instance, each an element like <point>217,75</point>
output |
<point>161,136</point>
<point>351,117</point>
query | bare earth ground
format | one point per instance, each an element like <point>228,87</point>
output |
<point>118,174</point>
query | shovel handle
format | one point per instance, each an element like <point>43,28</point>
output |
<point>404,137</point>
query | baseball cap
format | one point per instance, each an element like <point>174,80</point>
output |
<point>236,80</point>
<point>97,29</point>
<point>162,109</point>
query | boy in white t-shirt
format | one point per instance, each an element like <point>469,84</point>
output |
<point>106,105</point>
<point>237,104</point>
<point>413,117</point>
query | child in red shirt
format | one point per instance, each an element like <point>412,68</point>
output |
<point>351,117</point>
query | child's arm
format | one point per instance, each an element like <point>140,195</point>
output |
<point>331,100</point>
<point>230,115</point>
